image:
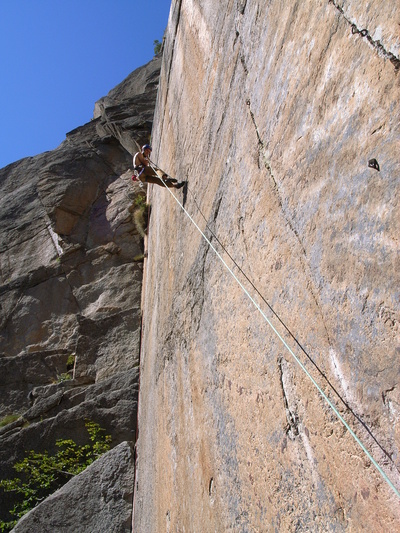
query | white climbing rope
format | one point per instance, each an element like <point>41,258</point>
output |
<point>256,305</point>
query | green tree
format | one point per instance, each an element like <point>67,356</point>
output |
<point>157,46</point>
<point>40,474</point>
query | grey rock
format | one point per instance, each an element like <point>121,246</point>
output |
<point>69,281</point>
<point>61,411</point>
<point>129,119</point>
<point>97,500</point>
<point>67,243</point>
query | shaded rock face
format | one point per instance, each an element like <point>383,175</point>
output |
<point>126,113</point>
<point>99,499</point>
<point>272,112</point>
<point>71,278</point>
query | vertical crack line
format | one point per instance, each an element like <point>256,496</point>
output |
<point>364,33</point>
<point>54,238</point>
<point>242,6</point>
<point>48,227</point>
<point>244,65</point>
<point>59,250</point>
<point>292,429</point>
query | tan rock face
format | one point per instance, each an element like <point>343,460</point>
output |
<point>272,112</point>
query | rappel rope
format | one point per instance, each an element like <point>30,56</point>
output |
<point>256,305</point>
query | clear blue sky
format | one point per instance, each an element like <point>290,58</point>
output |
<point>58,57</point>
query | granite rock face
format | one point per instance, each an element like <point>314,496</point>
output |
<point>71,277</point>
<point>99,499</point>
<point>274,113</point>
<point>126,113</point>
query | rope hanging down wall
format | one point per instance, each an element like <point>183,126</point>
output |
<point>280,337</point>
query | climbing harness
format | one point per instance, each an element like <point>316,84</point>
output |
<point>285,344</point>
<point>136,175</point>
<point>139,169</point>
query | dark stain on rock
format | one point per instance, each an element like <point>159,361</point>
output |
<point>373,163</point>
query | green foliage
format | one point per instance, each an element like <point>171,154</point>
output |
<point>140,201</point>
<point>40,474</point>
<point>70,362</point>
<point>140,214</point>
<point>157,47</point>
<point>66,376</point>
<point>8,419</point>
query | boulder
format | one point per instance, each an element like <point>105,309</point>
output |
<point>99,499</point>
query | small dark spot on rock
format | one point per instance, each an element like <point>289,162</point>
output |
<point>373,163</point>
<point>210,486</point>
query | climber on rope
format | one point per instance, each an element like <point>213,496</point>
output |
<point>145,172</point>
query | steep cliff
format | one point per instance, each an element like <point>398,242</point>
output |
<point>71,278</point>
<point>284,119</point>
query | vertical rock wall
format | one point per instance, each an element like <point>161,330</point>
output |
<point>279,116</point>
<point>70,285</point>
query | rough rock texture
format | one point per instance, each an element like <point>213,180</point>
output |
<point>272,111</point>
<point>127,111</point>
<point>71,278</point>
<point>97,500</point>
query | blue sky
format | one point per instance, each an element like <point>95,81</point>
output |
<point>58,57</point>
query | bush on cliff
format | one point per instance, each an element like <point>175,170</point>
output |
<point>40,474</point>
<point>157,46</point>
<point>140,214</point>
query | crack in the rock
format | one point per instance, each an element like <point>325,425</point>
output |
<point>64,273</point>
<point>241,6</point>
<point>260,142</point>
<point>292,419</point>
<point>243,61</point>
<point>268,167</point>
<point>377,45</point>
<point>216,208</point>
<point>32,279</point>
<point>292,429</point>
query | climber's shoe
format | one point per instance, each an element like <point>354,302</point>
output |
<point>170,180</point>
<point>180,185</point>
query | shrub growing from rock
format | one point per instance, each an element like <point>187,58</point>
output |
<point>40,474</point>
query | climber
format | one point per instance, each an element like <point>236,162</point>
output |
<point>145,172</point>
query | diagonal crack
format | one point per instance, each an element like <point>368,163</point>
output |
<point>289,222</point>
<point>377,45</point>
